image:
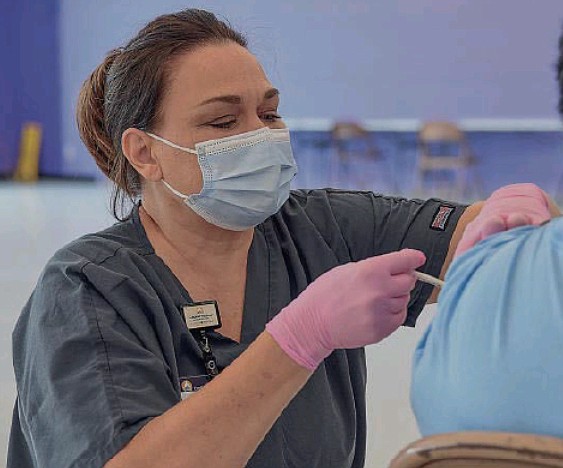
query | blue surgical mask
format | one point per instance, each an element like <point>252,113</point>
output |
<point>246,177</point>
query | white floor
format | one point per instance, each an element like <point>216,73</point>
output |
<point>37,219</point>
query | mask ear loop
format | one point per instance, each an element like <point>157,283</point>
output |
<point>172,145</point>
<point>174,191</point>
<point>181,148</point>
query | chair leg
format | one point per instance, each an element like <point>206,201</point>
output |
<point>418,191</point>
<point>462,184</point>
<point>391,179</point>
<point>476,187</point>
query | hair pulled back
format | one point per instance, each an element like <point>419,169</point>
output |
<point>126,89</point>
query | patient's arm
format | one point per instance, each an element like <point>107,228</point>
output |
<point>491,359</point>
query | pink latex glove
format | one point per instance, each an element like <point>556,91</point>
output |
<point>508,207</point>
<point>350,306</point>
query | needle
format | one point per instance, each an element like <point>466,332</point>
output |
<point>428,279</point>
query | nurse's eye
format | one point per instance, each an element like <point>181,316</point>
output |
<point>271,117</point>
<point>222,122</point>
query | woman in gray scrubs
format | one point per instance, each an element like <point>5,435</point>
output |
<point>120,356</point>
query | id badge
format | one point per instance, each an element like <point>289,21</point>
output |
<point>202,315</point>
<point>190,385</point>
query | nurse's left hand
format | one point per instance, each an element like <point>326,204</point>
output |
<point>508,207</point>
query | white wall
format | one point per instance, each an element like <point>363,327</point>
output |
<point>36,221</point>
<point>391,423</point>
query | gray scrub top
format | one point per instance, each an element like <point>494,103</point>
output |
<point>101,346</point>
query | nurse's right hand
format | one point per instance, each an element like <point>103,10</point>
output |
<point>350,306</point>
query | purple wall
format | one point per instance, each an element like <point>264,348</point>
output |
<point>30,80</point>
<point>330,58</point>
<point>354,58</point>
<point>8,78</point>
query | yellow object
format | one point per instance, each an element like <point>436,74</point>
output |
<point>30,146</point>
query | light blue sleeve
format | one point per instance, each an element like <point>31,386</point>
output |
<point>492,359</point>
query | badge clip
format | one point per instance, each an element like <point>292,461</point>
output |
<point>200,318</point>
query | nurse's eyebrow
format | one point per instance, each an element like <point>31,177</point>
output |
<point>234,99</point>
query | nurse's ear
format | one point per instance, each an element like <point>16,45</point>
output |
<point>138,148</point>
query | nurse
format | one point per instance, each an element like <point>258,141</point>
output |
<point>221,322</point>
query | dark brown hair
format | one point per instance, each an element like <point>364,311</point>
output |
<point>126,90</point>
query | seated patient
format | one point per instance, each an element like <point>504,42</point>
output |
<point>492,359</point>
